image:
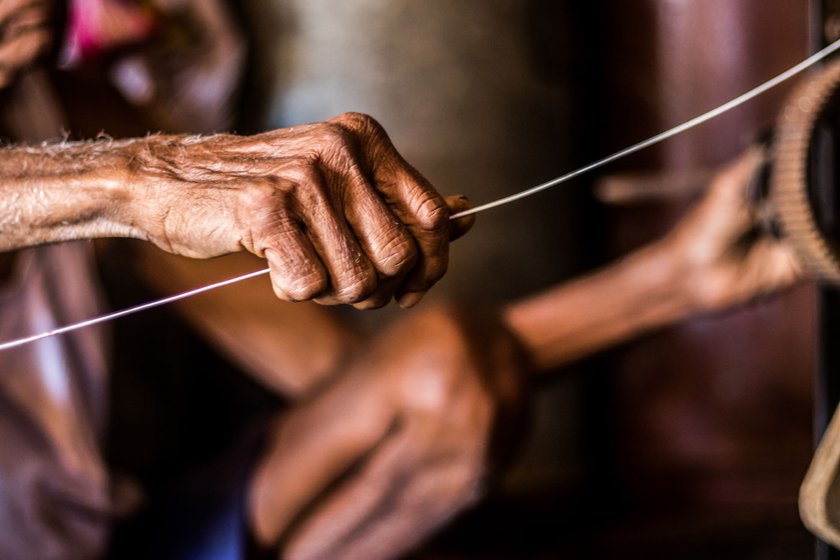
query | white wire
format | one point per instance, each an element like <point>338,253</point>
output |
<point>696,121</point>
<point>128,311</point>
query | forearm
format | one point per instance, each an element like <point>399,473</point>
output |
<point>66,191</point>
<point>638,294</point>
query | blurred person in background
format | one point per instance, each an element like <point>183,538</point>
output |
<point>365,444</point>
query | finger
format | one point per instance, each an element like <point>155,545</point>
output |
<point>772,267</point>
<point>389,247</point>
<point>10,9</point>
<point>397,531</point>
<point>297,273</point>
<point>723,215</point>
<point>382,237</point>
<point>412,200</point>
<point>385,289</point>
<point>352,276</point>
<point>23,48</point>
<point>312,448</point>
<point>363,500</point>
<point>32,16</point>
<point>460,226</point>
<point>426,217</point>
<point>397,499</point>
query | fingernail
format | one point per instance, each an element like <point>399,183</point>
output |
<point>410,299</point>
<point>367,304</point>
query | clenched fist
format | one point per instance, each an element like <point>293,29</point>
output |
<point>337,212</point>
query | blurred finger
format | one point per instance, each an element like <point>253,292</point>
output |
<point>364,499</point>
<point>23,48</point>
<point>10,9</point>
<point>398,499</point>
<point>311,449</point>
<point>733,180</point>
<point>397,532</point>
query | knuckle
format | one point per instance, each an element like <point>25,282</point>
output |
<point>397,255</point>
<point>261,192</point>
<point>429,390</point>
<point>305,287</point>
<point>360,122</point>
<point>334,137</point>
<point>307,185</point>
<point>431,214</point>
<point>358,287</point>
<point>363,127</point>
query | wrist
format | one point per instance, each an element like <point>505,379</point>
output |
<point>106,188</point>
<point>642,292</point>
<point>666,279</point>
<point>696,282</point>
<point>146,167</point>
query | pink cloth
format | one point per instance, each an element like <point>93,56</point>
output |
<point>98,26</point>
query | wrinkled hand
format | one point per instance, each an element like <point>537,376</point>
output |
<point>725,257</point>
<point>394,448</point>
<point>338,213</point>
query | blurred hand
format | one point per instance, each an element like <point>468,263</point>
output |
<point>185,75</point>
<point>397,446</point>
<point>25,34</point>
<point>338,213</point>
<point>724,256</point>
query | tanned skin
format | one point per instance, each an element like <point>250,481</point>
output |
<point>335,210</point>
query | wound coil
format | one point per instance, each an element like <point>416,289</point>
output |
<point>803,188</point>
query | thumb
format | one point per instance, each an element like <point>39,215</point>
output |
<point>459,226</point>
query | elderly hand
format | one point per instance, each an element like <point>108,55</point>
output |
<point>332,206</point>
<point>723,256</point>
<point>394,448</point>
<point>337,212</point>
